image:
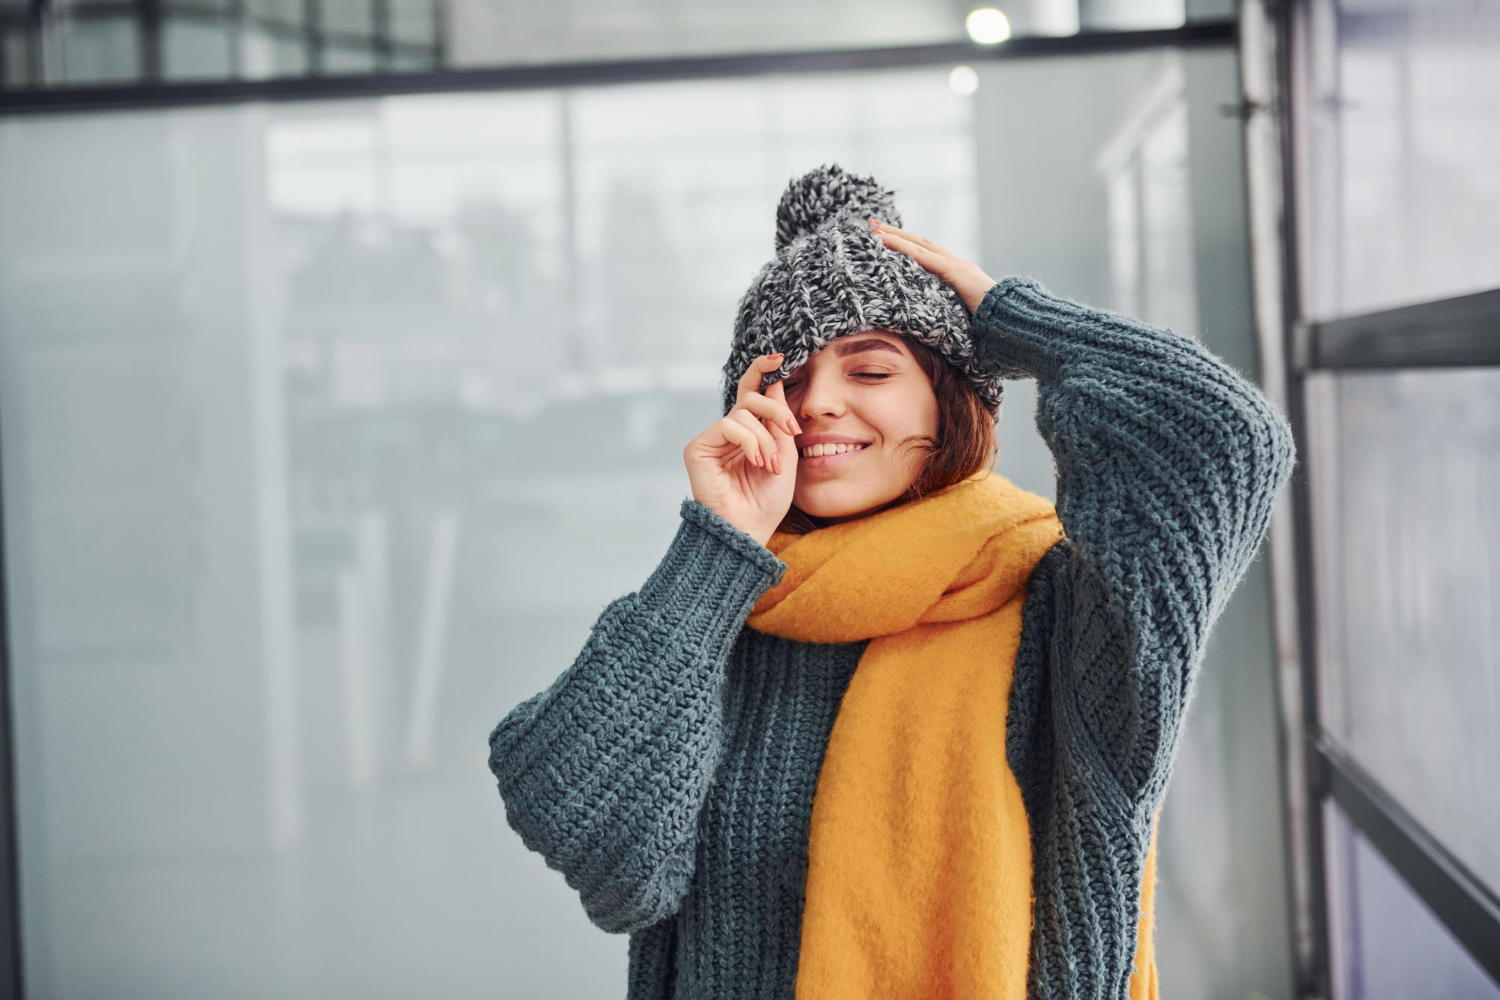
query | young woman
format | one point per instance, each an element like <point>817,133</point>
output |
<point>880,723</point>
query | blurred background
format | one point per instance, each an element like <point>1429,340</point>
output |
<point>347,352</point>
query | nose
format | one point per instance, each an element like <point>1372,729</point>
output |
<point>820,397</point>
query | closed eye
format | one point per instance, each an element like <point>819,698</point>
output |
<point>797,383</point>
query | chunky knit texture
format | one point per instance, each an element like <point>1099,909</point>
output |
<point>669,772</point>
<point>833,276</point>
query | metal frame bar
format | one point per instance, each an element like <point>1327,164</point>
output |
<point>236,12</point>
<point>1456,332</point>
<point>1315,974</point>
<point>149,30</point>
<point>1268,99</point>
<point>380,20</point>
<point>601,72</point>
<point>12,971</point>
<point>1469,910</point>
<point>312,20</point>
<point>36,22</point>
<point>237,16</point>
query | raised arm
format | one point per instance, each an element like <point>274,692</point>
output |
<point>1168,464</point>
<point>605,772</point>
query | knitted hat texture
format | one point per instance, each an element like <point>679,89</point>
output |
<point>832,276</point>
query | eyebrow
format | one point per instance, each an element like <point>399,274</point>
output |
<point>846,347</point>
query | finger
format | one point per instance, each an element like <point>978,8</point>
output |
<point>763,437</point>
<point>738,434</point>
<point>750,380</point>
<point>920,241</point>
<point>934,262</point>
<point>777,391</point>
<point>779,436</point>
<point>771,405</point>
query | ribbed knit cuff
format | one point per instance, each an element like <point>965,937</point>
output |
<point>1016,334</point>
<point>712,575</point>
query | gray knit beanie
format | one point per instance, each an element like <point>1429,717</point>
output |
<point>832,276</point>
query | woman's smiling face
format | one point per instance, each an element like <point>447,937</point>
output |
<point>863,387</point>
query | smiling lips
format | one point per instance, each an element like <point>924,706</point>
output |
<point>818,456</point>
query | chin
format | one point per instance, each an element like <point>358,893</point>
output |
<point>836,499</point>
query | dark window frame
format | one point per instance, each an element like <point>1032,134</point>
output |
<point>317,84</point>
<point>1458,332</point>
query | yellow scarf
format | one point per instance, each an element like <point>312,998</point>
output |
<point>919,853</point>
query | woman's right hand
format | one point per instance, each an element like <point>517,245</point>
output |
<point>743,467</point>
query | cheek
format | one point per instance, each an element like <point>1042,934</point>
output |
<point>903,415</point>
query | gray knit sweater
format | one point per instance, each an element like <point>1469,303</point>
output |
<point>669,772</point>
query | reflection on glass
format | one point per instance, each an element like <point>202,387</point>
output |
<point>1385,941</point>
<point>329,429</point>
<point>331,426</point>
<point>1408,568</point>
<point>195,49</point>
<point>1145,169</point>
<point>98,50</point>
<point>1403,190</point>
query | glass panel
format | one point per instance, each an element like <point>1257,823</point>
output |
<point>1408,568</point>
<point>1386,942</point>
<point>348,58</point>
<point>98,49</point>
<point>195,49</point>
<point>1100,15</point>
<point>1404,185</point>
<point>14,57</point>
<point>414,20</point>
<point>268,52</point>
<point>330,426</point>
<point>353,18</point>
<point>412,61</point>
<point>277,11</point>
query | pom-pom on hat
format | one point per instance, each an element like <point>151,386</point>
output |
<point>832,276</point>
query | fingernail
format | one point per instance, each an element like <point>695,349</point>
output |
<point>791,426</point>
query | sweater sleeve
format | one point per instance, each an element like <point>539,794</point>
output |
<point>1168,464</point>
<point>605,772</point>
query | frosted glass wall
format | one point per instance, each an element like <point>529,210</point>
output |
<point>1408,548</point>
<point>1403,162</point>
<point>329,428</point>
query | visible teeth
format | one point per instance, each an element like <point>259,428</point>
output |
<point>813,451</point>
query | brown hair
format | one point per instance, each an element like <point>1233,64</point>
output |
<point>965,440</point>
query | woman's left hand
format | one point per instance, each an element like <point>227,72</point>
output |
<point>965,276</point>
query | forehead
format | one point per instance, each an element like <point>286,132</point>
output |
<point>866,340</point>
